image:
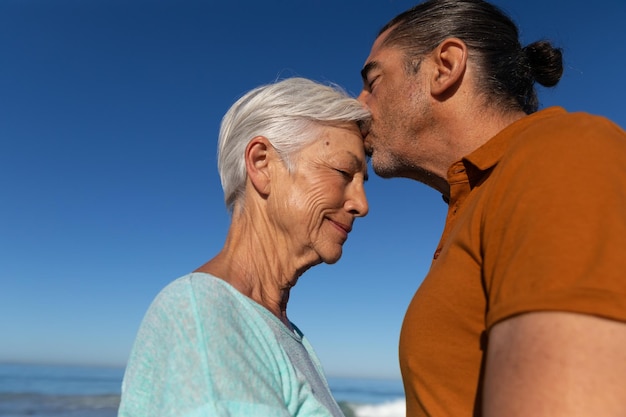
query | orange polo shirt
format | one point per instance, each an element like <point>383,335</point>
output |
<point>536,222</point>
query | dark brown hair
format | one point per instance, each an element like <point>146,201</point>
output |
<point>507,72</point>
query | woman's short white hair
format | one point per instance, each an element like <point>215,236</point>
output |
<point>288,114</point>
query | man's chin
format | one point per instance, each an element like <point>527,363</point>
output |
<point>382,170</point>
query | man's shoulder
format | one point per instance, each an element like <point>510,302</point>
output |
<point>556,131</point>
<point>558,123</point>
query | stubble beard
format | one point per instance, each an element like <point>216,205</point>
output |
<point>386,162</point>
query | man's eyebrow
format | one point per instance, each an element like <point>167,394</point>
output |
<point>367,69</point>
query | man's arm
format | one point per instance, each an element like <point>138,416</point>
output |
<point>556,364</point>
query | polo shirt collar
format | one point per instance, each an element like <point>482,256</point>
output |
<point>463,175</point>
<point>489,154</point>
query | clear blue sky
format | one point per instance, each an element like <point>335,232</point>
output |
<point>109,113</point>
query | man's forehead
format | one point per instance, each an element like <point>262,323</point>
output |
<point>379,42</point>
<point>379,57</point>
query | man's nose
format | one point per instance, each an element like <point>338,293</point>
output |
<point>361,98</point>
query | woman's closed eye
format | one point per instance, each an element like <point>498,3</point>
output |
<point>345,174</point>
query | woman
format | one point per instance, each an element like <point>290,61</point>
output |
<point>217,342</point>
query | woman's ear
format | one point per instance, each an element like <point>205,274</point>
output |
<point>450,58</point>
<point>257,157</point>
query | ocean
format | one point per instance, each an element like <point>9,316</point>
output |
<point>81,391</point>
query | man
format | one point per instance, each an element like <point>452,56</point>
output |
<point>523,312</point>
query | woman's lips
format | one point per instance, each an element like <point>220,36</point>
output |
<point>345,229</point>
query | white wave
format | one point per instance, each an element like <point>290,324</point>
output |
<point>395,408</point>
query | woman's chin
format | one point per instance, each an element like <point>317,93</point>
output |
<point>332,258</point>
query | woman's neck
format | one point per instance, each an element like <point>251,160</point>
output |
<point>258,264</point>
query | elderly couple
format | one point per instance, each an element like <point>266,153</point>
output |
<point>523,310</point>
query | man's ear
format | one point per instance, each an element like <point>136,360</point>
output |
<point>257,157</point>
<point>450,58</point>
